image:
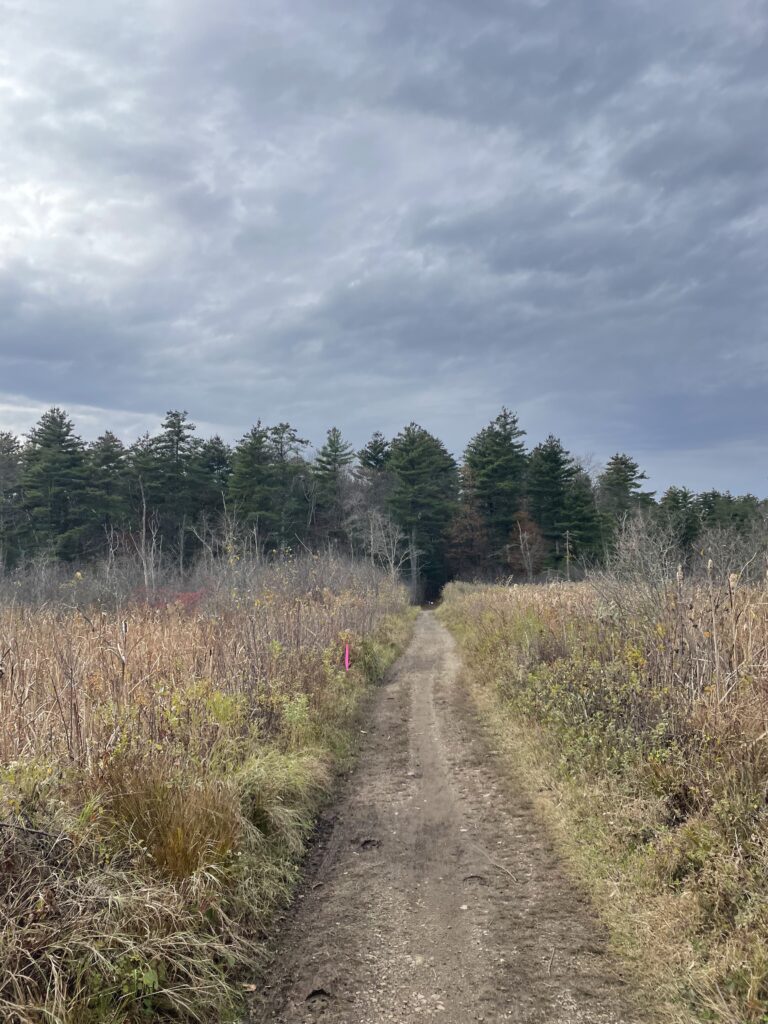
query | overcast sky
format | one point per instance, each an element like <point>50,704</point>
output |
<point>365,213</point>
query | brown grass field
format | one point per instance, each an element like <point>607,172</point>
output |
<point>641,707</point>
<point>161,762</point>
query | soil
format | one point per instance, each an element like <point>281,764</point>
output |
<point>436,893</point>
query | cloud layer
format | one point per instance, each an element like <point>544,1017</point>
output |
<point>368,213</point>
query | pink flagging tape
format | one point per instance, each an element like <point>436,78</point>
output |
<point>346,657</point>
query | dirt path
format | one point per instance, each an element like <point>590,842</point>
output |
<point>437,895</point>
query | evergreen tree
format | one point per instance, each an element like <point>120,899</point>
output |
<point>249,484</point>
<point>679,510</point>
<point>496,460</point>
<point>10,496</point>
<point>167,481</point>
<point>179,473</point>
<point>213,470</point>
<point>551,472</point>
<point>375,454</point>
<point>333,458</point>
<point>270,487</point>
<point>710,507</point>
<point>54,483</point>
<point>372,475</point>
<point>291,490</point>
<point>583,528</point>
<point>143,478</point>
<point>722,509</point>
<point>330,474</point>
<point>423,500</point>
<point>619,488</point>
<point>108,483</point>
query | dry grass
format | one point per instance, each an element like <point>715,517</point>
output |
<point>643,703</point>
<point>161,762</point>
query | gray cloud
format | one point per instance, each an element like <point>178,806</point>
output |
<point>365,214</point>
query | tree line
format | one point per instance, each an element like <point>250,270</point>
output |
<point>404,502</point>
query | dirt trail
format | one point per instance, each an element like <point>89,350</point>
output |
<point>437,894</point>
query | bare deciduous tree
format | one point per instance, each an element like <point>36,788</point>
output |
<point>381,538</point>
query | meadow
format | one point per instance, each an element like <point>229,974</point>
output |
<point>163,755</point>
<point>635,704</point>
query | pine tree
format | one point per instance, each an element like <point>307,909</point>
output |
<point>372,476</point>
<point>10,496</point>
<point>709,505</point>
<point>143,479</point>
<point>722,509</point>
<point>269,485</point>
<point>330,474</point>
<point>678,509</point>
<point>333,458</point>
<point>108,483</point>
<point>375,454</point>
<point>54,484</point>
<point>619,491</point>
<point>550,474</point>
<point>583,527</point>
<point>213,470</point>
<point>748,511</point>
<point>291,489</point>
<point>423,501</point>
<point>168,480</point>
<point>179,472</point>
<point>496,459</point>
<point>249,485</point>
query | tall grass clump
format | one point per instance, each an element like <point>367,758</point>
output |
<point>640,697</point>
<point>162,757</point>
